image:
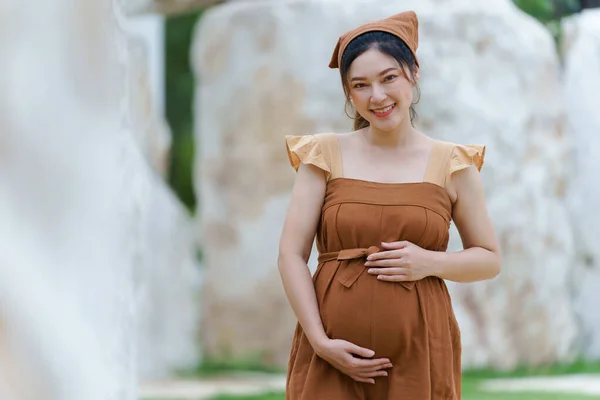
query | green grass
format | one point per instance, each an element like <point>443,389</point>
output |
<point>214,366</point>
<point>580,366</point>
<point>274,396</point>
<point>472,380</point>
<point>471,383</point>
<point>469,394</point>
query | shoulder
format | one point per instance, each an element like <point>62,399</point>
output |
<point>310,149</point>
<point>462,156</point>
<point>462,165</point>
<point>309,140</point>
<point>465,155</point>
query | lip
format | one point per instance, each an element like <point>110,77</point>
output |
<point>386,114</point>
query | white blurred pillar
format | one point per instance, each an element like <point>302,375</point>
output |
<point>150,28</point>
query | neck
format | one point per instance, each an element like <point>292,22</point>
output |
<point>399,137</point>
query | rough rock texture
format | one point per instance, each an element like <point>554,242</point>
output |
<point>152,132</point>
<point>87,226</point>
<point>67,230</point>
<point>507,97</point>
<point>167,280</point>
<point>167,284</point>
<point>166,277</point>
<point>262,72</point>
<point>582,92</point>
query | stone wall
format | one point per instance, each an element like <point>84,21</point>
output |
<point>145,89</point>
<point>68,233</point>
<point>491,75</point>
<point>582,92</point>
<point>262,73</point>
<point>167,276</point>
<point>97,272</point>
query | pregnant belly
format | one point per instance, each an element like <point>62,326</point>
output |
<point>382,316</point>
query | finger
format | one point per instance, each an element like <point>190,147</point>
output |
<point>396,262</point>
<point>360,351</point>
<point>378,368</point>
<point>373,374</point>
<point>364,380</point>
<point>393,278</point>
<point>365,365</point>
<point>383,255</point>
<point>388,271</point>
<point>395,245</point>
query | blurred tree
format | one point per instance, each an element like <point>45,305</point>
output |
<point>539,9</point>
<point>179,90</point>
<point>590,4</point>
<point>550,10</point>
<point>566,7</point>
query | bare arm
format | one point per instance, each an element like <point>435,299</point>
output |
<point>294,251</point>
<point>481,258</point>
<point>295,246</point>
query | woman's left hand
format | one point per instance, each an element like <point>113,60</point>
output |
<point>400,262</point>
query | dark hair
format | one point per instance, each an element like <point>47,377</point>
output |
<point>386,43</point>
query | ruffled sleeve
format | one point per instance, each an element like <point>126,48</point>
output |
<point>464,156</point>
<point>305,150</point>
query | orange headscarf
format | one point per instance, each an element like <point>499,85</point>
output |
<point>404,25</point>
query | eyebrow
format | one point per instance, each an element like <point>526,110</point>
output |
<point>360,78</point>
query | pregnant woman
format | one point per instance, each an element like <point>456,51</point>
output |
<point>375,322</point>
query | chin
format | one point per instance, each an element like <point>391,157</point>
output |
<point>387,126</point>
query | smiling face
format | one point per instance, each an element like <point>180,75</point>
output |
<point>381,89</point>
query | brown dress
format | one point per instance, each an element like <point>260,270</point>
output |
<point>411,323</point>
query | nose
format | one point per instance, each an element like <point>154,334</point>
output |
<point>378,94</point>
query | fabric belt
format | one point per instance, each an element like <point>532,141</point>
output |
<point>352,270</point>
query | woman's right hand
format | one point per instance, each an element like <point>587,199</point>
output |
<point>353,360</point>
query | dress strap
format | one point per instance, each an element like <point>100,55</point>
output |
<point>437,169</point>
<point>331,151</point>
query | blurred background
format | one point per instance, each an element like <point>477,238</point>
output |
<point>144,181</point>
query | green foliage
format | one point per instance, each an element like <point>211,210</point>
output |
<point>547,11</point>
<point>539,9</point>
<point>179,89</point>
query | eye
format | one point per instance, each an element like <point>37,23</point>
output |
<point>359,85</point>
<point>390,78</point>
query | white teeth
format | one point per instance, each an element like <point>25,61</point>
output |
<point>388,108</point>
